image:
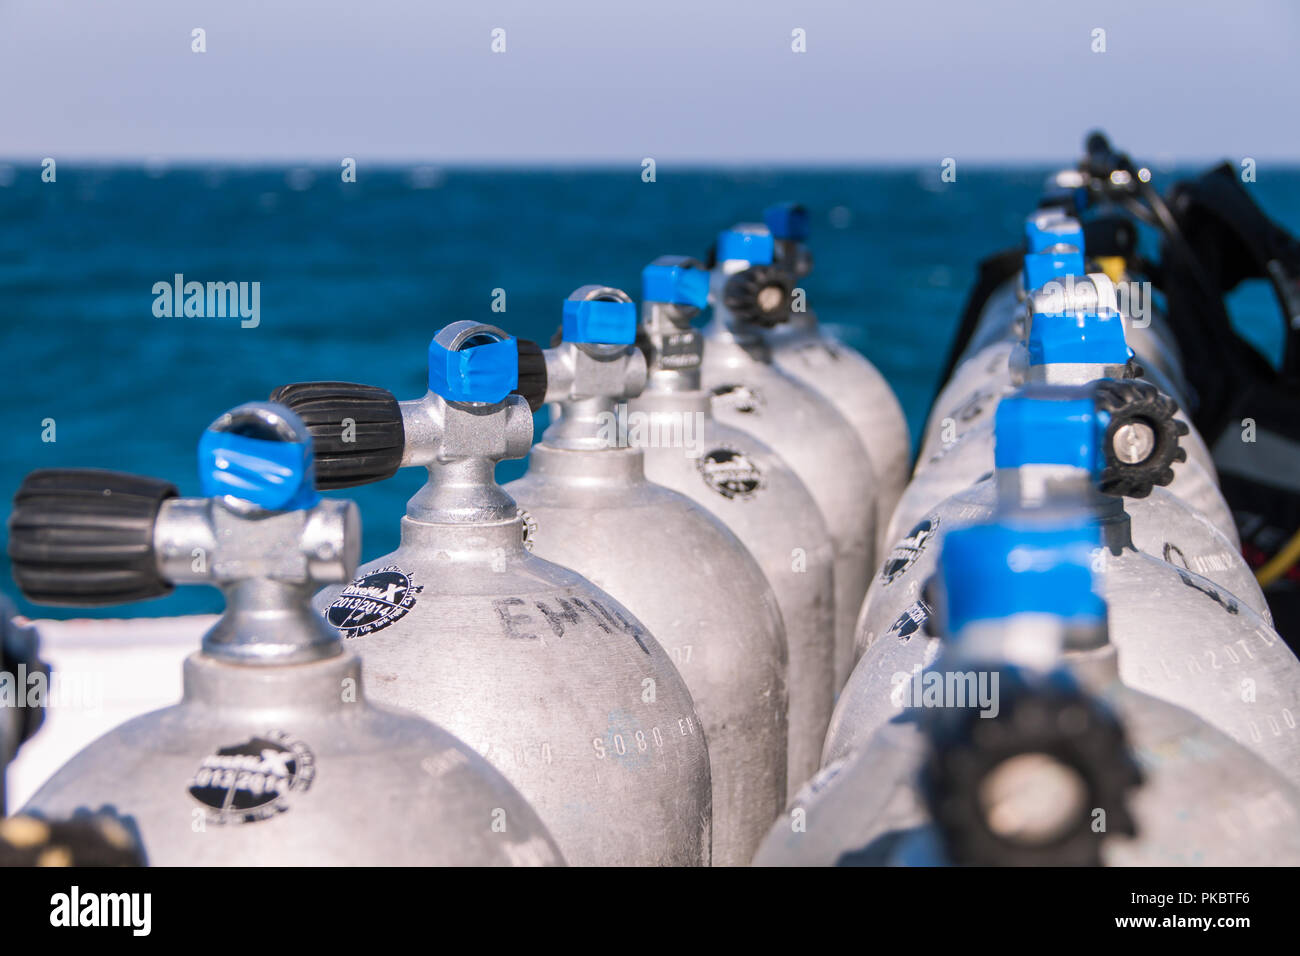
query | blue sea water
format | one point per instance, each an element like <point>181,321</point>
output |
<point>356,277</point>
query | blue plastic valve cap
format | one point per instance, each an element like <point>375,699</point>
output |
<point>597,322</point>
<point>676,280</point>
<point>485,374</point>
<point>274,475</point>
<point>995,571</point>
<point>1051,425</point>
<point>1054,264</point>
<point>787,220</point>
<point>1086,338</point>
<point>750,242</point>
<point>1046,229</point>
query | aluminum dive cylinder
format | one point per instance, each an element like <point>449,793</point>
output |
<point>273,756</point>
<point>549,678</point>
<point>1062,349</point>
<point>752,394</point>
<point>670,562</point>
<point>743,483</point>
<point>807,351</point>
<point>1019,591</point>
<point>1182,637</point>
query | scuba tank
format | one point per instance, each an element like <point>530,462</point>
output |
<point>751,394</point>
<point>28,841</point>
<point>670,562</point>
<point>1016,597</point>
<point>1181,637</point>
<point>1061,349</point>
<point>745,485</point>
<point>804,350</point>
<point>551,680</point>
<point>273,756</point>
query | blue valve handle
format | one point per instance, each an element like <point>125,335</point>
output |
<point>599,322</point>
<point>274,475</point>
<point>484,374</point>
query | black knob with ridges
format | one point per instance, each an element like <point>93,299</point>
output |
<point>759,294</point>
<point>1022,788</point>
<point>84,538</point>
<point>532,373</point>
<point>1141,443</point>
<point>356,430</point>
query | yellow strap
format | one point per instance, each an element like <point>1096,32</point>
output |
<point>1280,563</point>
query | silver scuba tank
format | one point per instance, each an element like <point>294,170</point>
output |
<point>752,394</point>
<point>670,562</point>
<point>553,681</point>
<point>1062,349</point>
<point>1017,597</point>
<point>273,756</point>
<point>808,352</point>
<point>745,485</point>
<point>27,840</point>
<point>1182,637</point>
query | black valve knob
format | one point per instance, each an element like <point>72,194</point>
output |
<point>1051,745</point>
<point>759,294</point>
<point>356,430</point>
<point>83,537</point>
<point>1141,443</point>
<point>532,373</point>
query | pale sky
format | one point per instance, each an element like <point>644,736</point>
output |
<point>611,82</point>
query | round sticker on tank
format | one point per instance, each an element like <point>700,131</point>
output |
<point>907,551</point>
<point>251,780</point>
<point>730,473</point>
<point>742,398</point>
<point>373,601</point>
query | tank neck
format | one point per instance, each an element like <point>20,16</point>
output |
<point>479,540</point>
<point>270,622</point>
<point>1040,642</point>
<point>728,335</point>
<point>1071,373</point>
<point>461,492</point>
<point>676,350</point>
<point>611,467</point>
<point>588,425</point>
<point>331,684</point>
<point>1045,487</point>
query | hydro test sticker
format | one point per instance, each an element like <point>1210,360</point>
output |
<point>247,782</point>
<point>742,398</point>
<point>730,473</point>
<point>373,601</point>
<point>908,550</point>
